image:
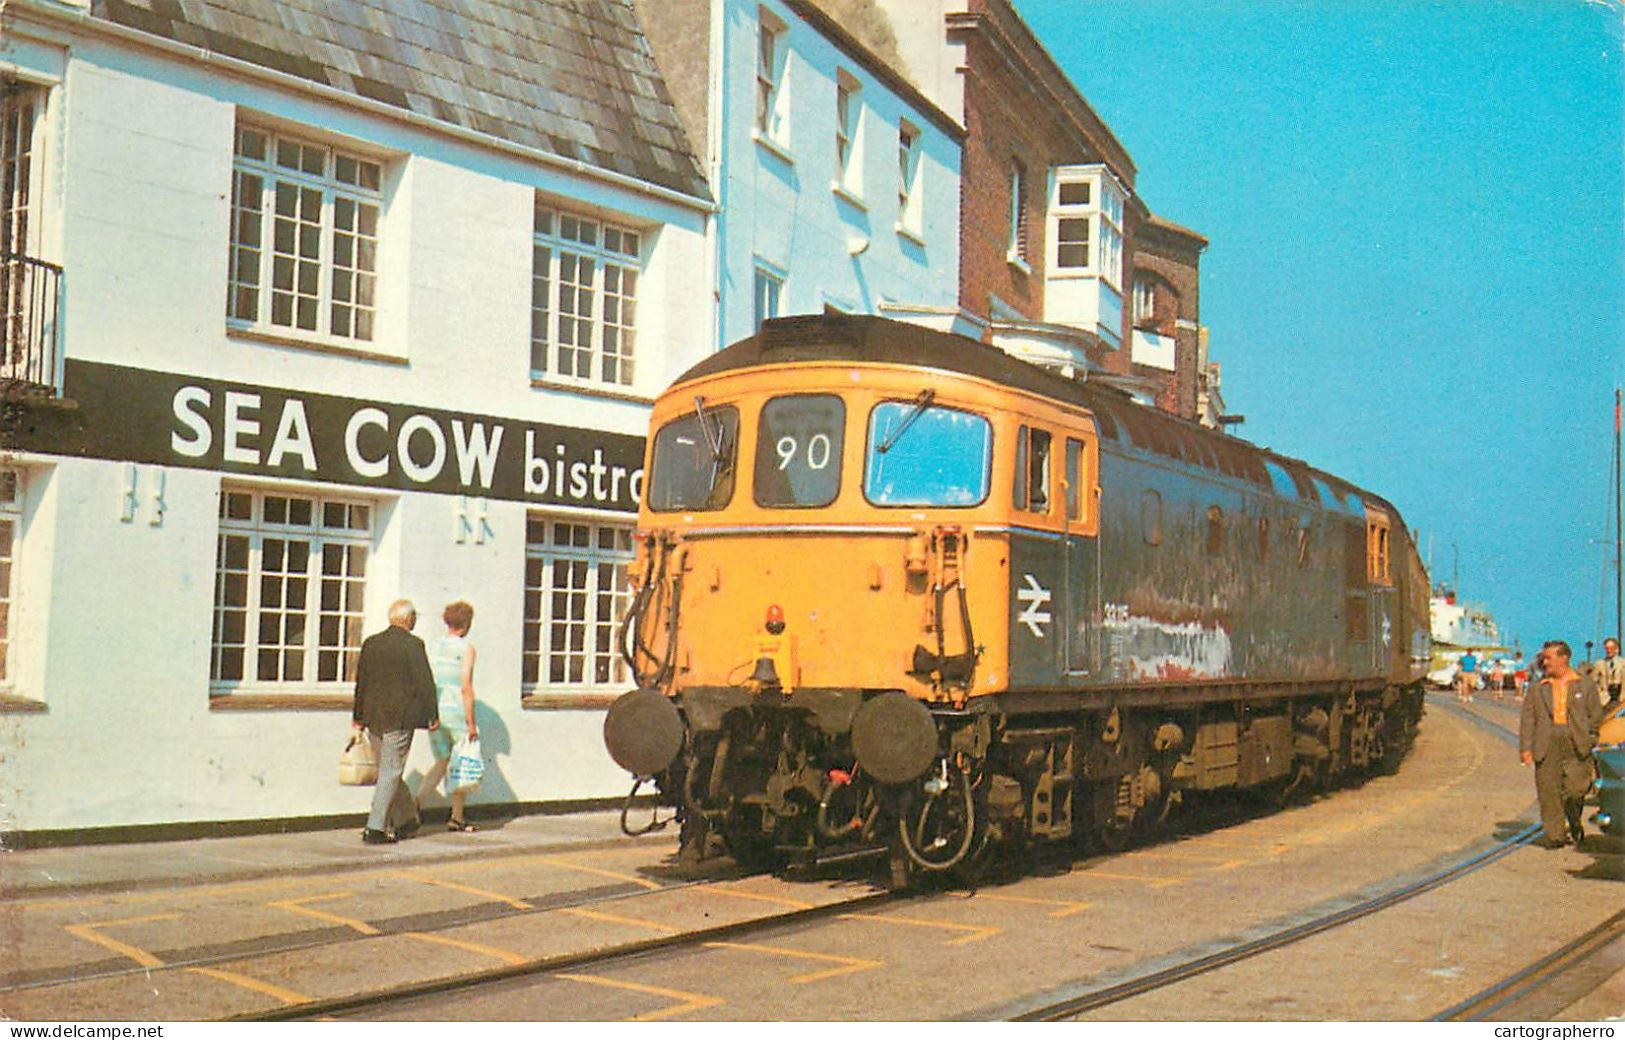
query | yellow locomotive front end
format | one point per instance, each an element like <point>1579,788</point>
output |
<point>821,596</point>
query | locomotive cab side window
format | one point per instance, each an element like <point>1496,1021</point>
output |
<point>798,451</point>
<point>1032,470</point>
<point>693,464</point>
<point>920,454</point>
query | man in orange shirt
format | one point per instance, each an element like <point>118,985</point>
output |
<point>1556,734</point>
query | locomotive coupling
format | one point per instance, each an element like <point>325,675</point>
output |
<point>643,732</point>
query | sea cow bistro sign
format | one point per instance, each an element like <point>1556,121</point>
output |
<point>138,415</point>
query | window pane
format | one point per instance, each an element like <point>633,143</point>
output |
<point>798,450</point>
<point>920,455</point>
<point>694,461</point>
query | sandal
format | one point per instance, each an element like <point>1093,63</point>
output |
<point>457,826</point>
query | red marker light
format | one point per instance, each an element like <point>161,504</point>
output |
<point>775,619</point>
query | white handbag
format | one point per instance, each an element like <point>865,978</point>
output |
<point>358,764</point>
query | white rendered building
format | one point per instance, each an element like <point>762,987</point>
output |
<point>308,306</point>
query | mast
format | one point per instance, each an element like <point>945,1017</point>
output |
<point>1619,540</point>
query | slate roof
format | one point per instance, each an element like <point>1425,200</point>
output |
<point>572,77</point>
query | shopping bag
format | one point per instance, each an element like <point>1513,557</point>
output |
<point>467,768</point>
<point>358,764</point>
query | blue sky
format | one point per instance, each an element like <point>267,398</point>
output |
<point>1416,277</point>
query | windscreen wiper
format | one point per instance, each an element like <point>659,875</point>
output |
<point>713,437</point>
<point>921,403</point>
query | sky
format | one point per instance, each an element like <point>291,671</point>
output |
<point>1416,270</point>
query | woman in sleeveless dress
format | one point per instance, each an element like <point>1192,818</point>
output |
<point>451,657</point>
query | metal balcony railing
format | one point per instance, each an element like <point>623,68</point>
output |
<point>30,302</point>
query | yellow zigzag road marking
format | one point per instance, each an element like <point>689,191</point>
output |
<point>599,915</point>
<point>848,965</point>
<point>686,1001</point>
<point>976,932</point>
<point>89,933</point>
<point>297,906</point>
<point>1067,907</point>
<point>507,956</point>
<point>498,897</point>
<point>617,875</point>
<point>287,996</point>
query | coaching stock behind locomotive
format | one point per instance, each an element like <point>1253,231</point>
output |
<point>895,588</point>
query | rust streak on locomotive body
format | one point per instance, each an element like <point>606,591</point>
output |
<point>894,585</point>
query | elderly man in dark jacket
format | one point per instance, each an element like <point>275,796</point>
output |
<point>1556,734</point>
<point>394,695</point>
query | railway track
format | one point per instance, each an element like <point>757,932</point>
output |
<point>1517,987</point>
<point>1520,996</point>
<point>338,936</point>
<point>394,996</point>
<point>1052,1005</point>
<point>1071,1005</point>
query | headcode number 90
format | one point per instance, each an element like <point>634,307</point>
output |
<point>816,455</point>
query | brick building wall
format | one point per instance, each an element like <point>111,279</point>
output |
<point>1170,255</point>
<point>1019,106</point>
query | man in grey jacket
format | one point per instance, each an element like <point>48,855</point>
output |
<point>394,695</point>
<point>1556,734</point>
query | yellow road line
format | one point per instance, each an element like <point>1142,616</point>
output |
<point>601,872</point>
<point>848,965</point>
<point>728,890</point>
<point>1106,875</point>
<point>976,933</point>
<point>599,915</point>
<point>1067,907</point>
<point>496,897</point>
<point>287,996</point>
<point>297,906</point>
<point>686,1001</point>
<point>507,956</point>
<point>89,933</point>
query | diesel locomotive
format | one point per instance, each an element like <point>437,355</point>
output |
<point>896,588</point>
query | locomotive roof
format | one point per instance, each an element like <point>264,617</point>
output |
<point>864,338</point>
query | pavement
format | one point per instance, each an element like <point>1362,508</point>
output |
<point>74,869</point>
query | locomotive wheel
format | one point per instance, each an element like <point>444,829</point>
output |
<point>1115,834</point>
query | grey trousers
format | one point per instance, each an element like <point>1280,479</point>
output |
<point>392,749</point>
<point>1558,787</point>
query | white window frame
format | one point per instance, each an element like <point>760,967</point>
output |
<point>771,123</point>
<point>267,539</point>
<point>767,294</point>
<point>1019,232</point>
<point>12,489</point>
<point>584,330</point>
<point>1104,211</point>
<point>1145,299</point>
<point>22,118</point>
<point>910,204</point>
<point>577,651</point>
<point>848,134</point>
<point>335,234</point>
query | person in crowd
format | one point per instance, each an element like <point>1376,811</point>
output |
<point>1610,672</point>
<point>394,695</point>
<point>451,657</point>
<point>1556,733</point>
<point>1497,676</point>
<point>1466,677</point>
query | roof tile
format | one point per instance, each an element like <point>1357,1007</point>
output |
<point>572,77</point>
